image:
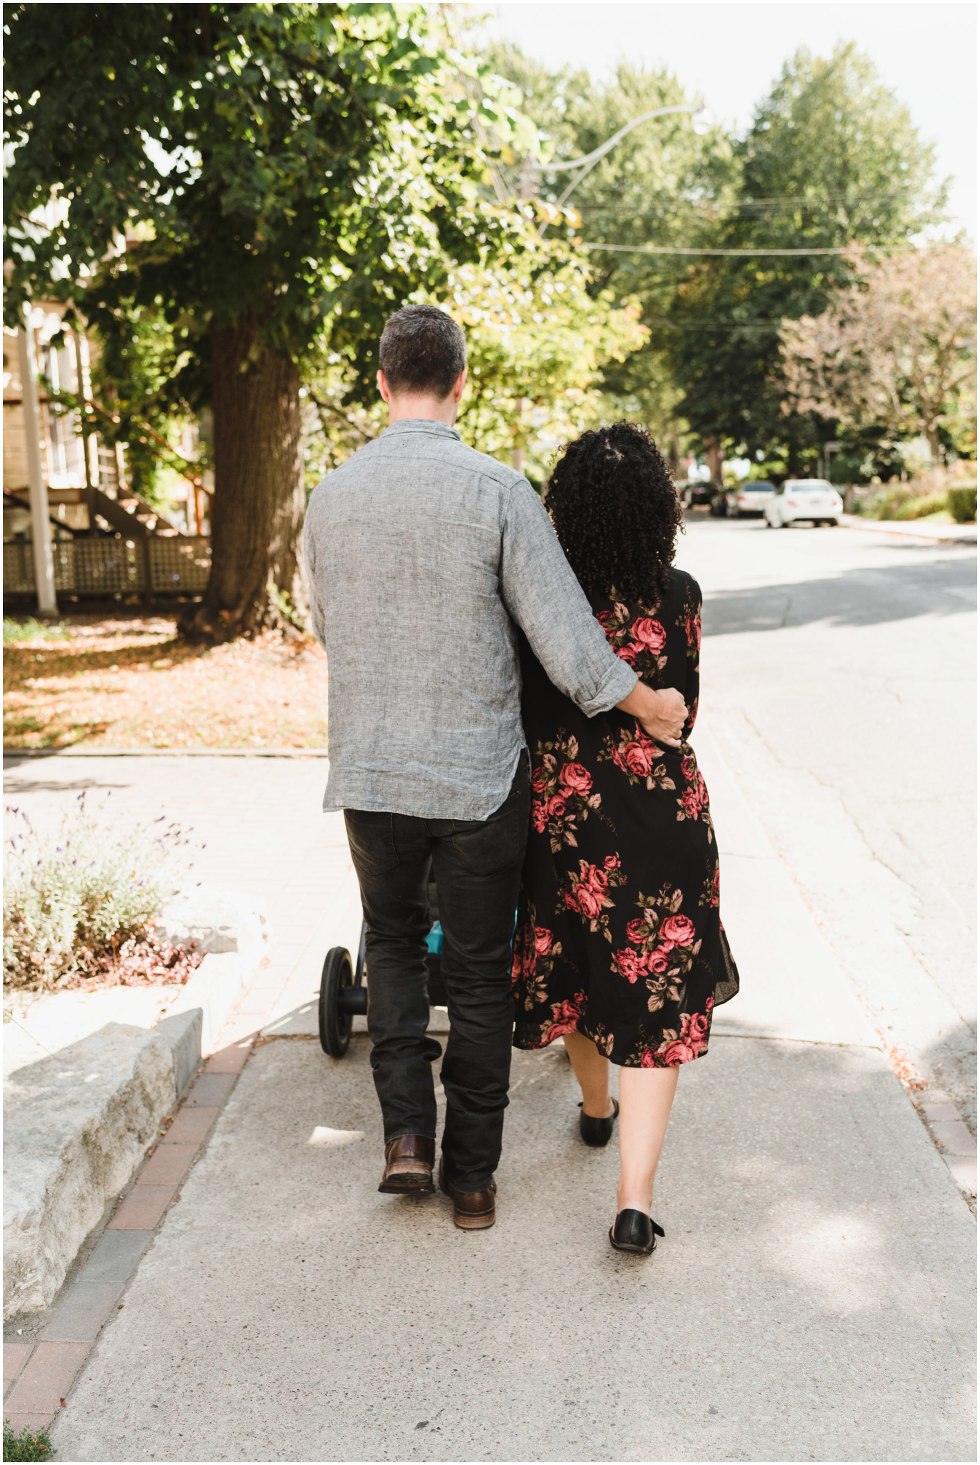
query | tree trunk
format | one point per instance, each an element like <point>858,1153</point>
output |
<point>259,500</point>
<point>714,456</point>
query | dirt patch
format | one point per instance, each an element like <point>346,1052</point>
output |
<point>131,682</point>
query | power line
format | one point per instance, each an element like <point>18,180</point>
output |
<point>776,199</point>
<point>744,253</point>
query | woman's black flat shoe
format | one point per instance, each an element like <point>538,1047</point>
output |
<point>635,1232</point>
<point>597,1132</point>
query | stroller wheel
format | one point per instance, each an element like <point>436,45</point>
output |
<point>335,1023</point>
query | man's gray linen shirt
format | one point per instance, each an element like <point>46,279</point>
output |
<point>420,555</point>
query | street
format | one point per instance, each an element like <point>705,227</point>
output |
<point>853,732</point>
<point>811,1298</point>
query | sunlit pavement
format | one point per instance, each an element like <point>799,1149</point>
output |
<point>810,1300</point>
<point>839,679</point>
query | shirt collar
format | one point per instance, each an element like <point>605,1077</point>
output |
<point>422,424</point>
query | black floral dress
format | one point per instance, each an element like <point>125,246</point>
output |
<point>619,934</point>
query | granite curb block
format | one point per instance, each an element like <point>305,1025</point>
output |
<point>76,1124</point>
<point>37,1376</point>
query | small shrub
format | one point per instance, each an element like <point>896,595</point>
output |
<point>962,502</point>
<point>920,508</point>
<point>33,630</point>
<point>28,1444</point>
<point>79,904</point>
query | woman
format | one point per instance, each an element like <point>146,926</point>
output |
<point>619,946</point>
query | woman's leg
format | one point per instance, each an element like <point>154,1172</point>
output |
<point>592,1072</point>
<point>645,1097</point>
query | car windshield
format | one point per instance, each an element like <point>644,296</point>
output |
<point>759,487</point>
<point>809,485</point>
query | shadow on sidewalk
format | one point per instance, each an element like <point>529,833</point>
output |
<point>810,1298</point>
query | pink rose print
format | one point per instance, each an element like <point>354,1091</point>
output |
<point>629,965</point>
<point>543,940</point>
<point>650,634</point>
<point>562,791</point>
<point>678,930</point>
<point>564,1017</point>
<point>676,1053</point>
<point>587,901</point>
<point>556,806</point>
<point>633,757</point>
<point>575,778</point>
<point>693,1039</point>
<point>637,931</point>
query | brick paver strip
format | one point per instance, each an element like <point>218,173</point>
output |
<point>46,1378</point>
<point>33,1422</point>
<point>190,1126</point>
<point>79,1318</point>
<point>143,1208</point>
<point>115,1256</point>
<point>954,1136</point>
<point>964,1172</point>
<point>167,1165</point>
<point>211,1090</point>
<point>15,1355</point>
<point>229,1060</point>
<point>939,1111</point>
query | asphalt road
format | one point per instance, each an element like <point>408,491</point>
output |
<point>839,677</point>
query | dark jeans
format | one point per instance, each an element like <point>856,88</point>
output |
<point>477,868</point>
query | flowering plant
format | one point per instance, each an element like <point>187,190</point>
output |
<point>79,902</point>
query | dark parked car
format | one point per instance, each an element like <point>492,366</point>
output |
<point>697,492</point>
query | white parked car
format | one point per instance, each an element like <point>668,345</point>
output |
<point>812,499</point>
<point>749,498</point>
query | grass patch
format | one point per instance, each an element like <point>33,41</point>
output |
<point>31,629</point>
<point>26,1444</point>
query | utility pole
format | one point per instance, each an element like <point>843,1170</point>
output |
<point>47,602</point>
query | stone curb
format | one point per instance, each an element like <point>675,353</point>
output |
<point>952,1137</point>
<point>39,1374</point>
<point>65,1161</point>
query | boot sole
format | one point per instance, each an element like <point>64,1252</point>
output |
<point>407,1185</point>
<point>474,1223</point>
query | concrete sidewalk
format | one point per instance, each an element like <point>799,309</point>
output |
<point>811,1299</point>
<point>914,529</point>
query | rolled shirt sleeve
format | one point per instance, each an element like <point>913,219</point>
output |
<point>544,597</point>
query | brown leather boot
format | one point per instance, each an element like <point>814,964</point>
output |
<point>473,1210</point>
<point>408,1165</point>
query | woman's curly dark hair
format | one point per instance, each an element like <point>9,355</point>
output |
<point>616,512</point>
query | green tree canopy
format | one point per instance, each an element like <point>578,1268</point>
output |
<point>832,159</point>
<point>663,186</point>
<point>259,177</point>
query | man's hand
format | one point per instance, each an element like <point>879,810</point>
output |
<point>660,714</point>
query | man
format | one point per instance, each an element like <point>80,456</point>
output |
<point>421,555</point>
